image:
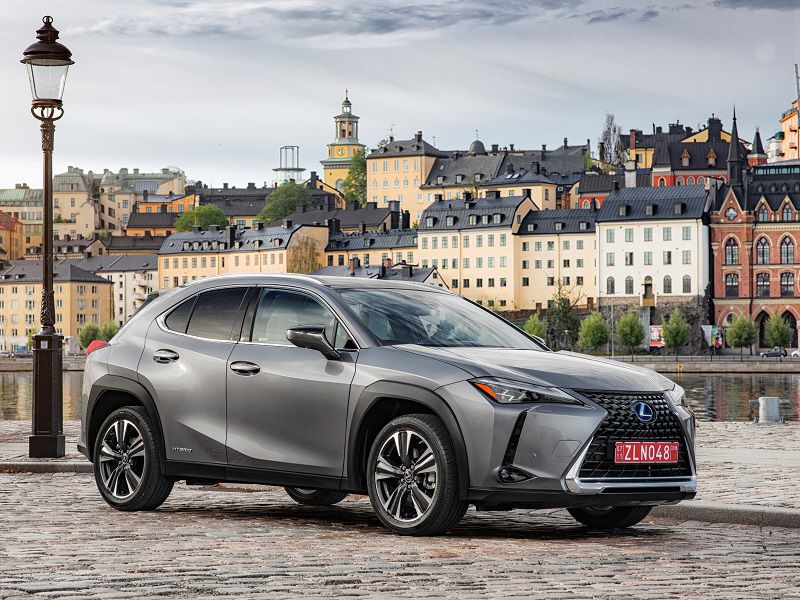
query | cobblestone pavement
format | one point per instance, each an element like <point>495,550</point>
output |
<point>60,540</point>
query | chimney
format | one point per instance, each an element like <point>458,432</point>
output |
<point>224,186</point>
<point>418,137</point>
<point>601,149</point>
<point>616,185</point>
<point>136,171</point>
<point>363,228</point>
<point>630,173</point>
<point>544,150</point>
<point>394,206</point>
<point>407,271</point>
<point>495,148</point>
<point>195,228</point>
<point>251,185</point>
<point>230,235</point>
<point>163,208</point>
<point>354,264</point>
<point>303,208</point>
<point>213,227</point>
<point>632,139</point>
<point>287,223</point>
<point>144,195</point>
<point>334,225</point>
<point>511,147</point>
<point>312,180</point>
<point>565,142</point>
<point>537,167</point>
<point>405,222</point>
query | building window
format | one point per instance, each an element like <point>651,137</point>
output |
<point>731,252</point>
<point>629,259</point>
<point>686,233</point>
<point>454,283</point>
<point>762,251</point>
<point>526,282</point>
<point>762,215</point>
<point>667,234</point>
<point>609,259</point>
<point>551,281</point>
<point>686,257</point>
<point>732,285</point>
<point>787,251</point>
<point>629,285</point>
<point>687,284</point>
<point>762,285</point>
<point>579,245</point>
<point>648,234</point>
<point>667,287</point>
<point>667,257</point>
<point>610,286</point>
<point>787,212</point>
<point>629,234</point>
<point>609,236</point>
<point>648,258</point>
<point>787,285</point>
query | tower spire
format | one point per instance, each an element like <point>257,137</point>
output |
<point>734,156</point>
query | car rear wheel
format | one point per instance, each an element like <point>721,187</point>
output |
<point>314,497</point>
<point>127,459</point>
<point>610,517</point>
<point>412,477</point>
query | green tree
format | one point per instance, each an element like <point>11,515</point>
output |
<point>87,334</point>
<point>562,320</point>
<point>777,332</point>
<point>201,216</point>
<point>741,334</point>
<point>630,331</point>
<point>108,331</point>
<point>284,200</point>
<point>355,184</point>
<point>535,326</point>
<point>593,332</point>
<point>675,331</point>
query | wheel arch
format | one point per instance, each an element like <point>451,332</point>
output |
<point>111,392</point>
<point>381,402</point>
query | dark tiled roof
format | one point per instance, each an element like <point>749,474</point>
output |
<point>373,240</point>
<point>758,147</point>
<point>64,246</point>
<point>31,270</point>
<point>131,262</point>
<point>120,243</point>
<point>519,177</point>
<point>571,220</point>
<point>413,147</point>
<point>563,165</point>
<point>692,199</point>
<point>220,240</point>
<point>371,216</point>
<point>418,274</point>
<point>669,154</point>
<point>769,182</point>
<point>152,219</point>
<point>239,207</point>
<point>505,206</point>
<point>598,183</point>
<point>675,133</point>
<point>465,165</point>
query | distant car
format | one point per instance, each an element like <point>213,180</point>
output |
<point>796,353</point>
<point>774,353</point>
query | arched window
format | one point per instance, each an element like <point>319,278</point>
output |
<point>687,284</point>
<point>762,251</point>
<point>629,285</point>
<point>732,285</point>
<point>762,285</point>
<point>787,212</point>
<point>587,204</point>
<point>700,181</point>
<point>690,181</point>
<point>762,215</point>
<point>667,284</point>
<point>787,285</point>
<point>787,250</point>
<point>610,286</point>
<point>679,181</point>
<point>731,252</point>
<point>662,182</point>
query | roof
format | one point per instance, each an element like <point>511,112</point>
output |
<point>599,183</point>
<point>773,182</point>
<point>370,215</point>
<point>373,240</point>
<point>13,195</point>
<point>659,201</point>
<point>158,219</point>
<point>121,243</point>
<point>131,262</point>
<point>561,221</point>
<point>449,168</point>
<point>412,147</point>
<point>31,271</point>
<point>758,147</point>
<point>562,165</point>
<point>675,133</point>
<point>518,177</point>
<point>65,246</point>
<point>460,211</point>
<point>395,273</point>
<point>228,239</point>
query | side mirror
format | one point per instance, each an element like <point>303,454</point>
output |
<point>312,337</point>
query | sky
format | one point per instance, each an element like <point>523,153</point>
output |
<point>215,87</point>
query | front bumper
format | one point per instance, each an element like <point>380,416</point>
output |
<point>547,444</point>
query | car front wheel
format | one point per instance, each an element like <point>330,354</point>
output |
<point>610,517</point>
<point>412,477</point>
<point>127,461</point>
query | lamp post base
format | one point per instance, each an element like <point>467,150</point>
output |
<point>47,439</point>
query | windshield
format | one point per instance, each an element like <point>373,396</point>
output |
<point>401,316</point>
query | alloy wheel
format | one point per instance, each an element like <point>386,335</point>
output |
<point>405,475</point>
<point>122,459</point>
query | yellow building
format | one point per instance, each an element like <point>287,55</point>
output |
<point>556,247</point>
<point>80,297</point>
<point>190,255</point>
<point>397,170</point>
<point>26,205</point>
<point>790,139</point>
<point>471,243</point>
<point>524,182</point>
<point>342,150</point>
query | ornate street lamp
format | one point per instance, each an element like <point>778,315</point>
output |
<point>47,62</point>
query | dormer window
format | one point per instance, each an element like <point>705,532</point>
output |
<point>440,179</point>
<point>484,219</point>
<point>429,221</point>
<point>678,208</point>
<point>497,218</point>
<point>473,219</point>
<point>650,210</point>
<point>450,220</point>
<point>478,177</point>
<point>712,158</point>
<point>685,158</point>
<point>559,226</point>
<point>459,178</point>
<point>583,226</point>
<point>787,212</point>
<point>531,226</point>
<point>623,210</point>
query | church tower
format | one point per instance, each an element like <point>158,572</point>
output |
<point>343,148</point>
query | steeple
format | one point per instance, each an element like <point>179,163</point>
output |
<point>757,155</point>
<point>734,157</point>
<point>346,122</point>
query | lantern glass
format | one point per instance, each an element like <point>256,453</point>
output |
<point>47,77</point>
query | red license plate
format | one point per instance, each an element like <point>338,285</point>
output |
<point>646,452</point>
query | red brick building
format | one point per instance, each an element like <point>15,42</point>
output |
<point>755,240</point>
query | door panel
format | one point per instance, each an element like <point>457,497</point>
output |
<point>287,406</point>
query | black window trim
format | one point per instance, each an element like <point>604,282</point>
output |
<point>237,325</point>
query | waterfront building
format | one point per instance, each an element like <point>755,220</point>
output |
<point>371,247</point>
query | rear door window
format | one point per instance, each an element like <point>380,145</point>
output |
<point>216,312</point>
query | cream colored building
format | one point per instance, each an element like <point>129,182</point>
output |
<point>556,247</point>
<point>80,298</point>
<point>470,242</point>
<point>133,278</point>
<point>526,182</point>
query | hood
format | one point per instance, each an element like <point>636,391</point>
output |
<point>559,369</point>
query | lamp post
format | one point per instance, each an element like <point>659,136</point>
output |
<point>47,62</point>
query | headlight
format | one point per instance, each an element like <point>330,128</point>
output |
<point>504,391</point>
<point>678,396</point>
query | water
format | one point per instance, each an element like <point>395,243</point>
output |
<point>720,397</point>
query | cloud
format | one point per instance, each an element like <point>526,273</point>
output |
<point>606,16</point>
<point>759,4</point>
<point>648,15</point>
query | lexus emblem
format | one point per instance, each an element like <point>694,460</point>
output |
<point>644,412</point>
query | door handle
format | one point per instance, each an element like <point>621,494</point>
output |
<point>165,356</point>
<point>241,367</point>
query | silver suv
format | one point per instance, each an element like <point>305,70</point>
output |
<point>413,395</point>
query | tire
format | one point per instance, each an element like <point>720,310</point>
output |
<point>313,497</point>
<point>410,501</point>
<point>138,457</point>
<point>610,517</point>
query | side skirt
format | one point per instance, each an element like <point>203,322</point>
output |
<point>231,474</point>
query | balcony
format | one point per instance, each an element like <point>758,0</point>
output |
<point>140,282</point>
<point>140,296</point>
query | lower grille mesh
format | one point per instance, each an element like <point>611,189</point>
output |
<point>622,425</point>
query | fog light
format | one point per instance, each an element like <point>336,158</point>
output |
<point>512,475</point>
